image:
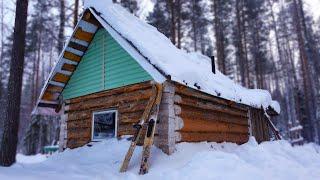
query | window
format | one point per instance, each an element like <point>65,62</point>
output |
<point>104,125</point>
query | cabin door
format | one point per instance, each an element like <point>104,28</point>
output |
<point>104,125</point>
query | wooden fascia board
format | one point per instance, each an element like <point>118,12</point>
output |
<point>76,44</point>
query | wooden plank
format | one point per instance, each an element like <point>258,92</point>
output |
<point>214,137</point>
<point>72,57</point>
<point>151,129</point>
<point>74,143</point>
<point>191,102</point>
<point>113,100</point>
<point>126,129</point>
<point>84,123</point>
<point>83,35</point>
<point>203,125</point>
<point>132,107</point>
<point>191,112</point>
<point>89,17</point>
<point>46,105</point>
<point>130,117</point>
<point>53,88</point>
<point>79,132</point>
<point>81,115</point>
<point>187,91</point>
<point>69,67</point>
<point>48,96</point>
<point>62,78</point>
<point>77,46</point>
<point>120,90</point>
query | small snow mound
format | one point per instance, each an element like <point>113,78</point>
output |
<point>23,159</point>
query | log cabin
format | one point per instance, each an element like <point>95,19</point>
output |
<point>103,80</point>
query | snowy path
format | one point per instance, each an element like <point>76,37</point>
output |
<point>271,160</point>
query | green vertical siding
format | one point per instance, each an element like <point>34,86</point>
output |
<point>105,65</point>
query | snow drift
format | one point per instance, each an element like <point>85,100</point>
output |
<point>269,160</point>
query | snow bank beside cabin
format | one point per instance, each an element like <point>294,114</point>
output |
<point>269,160</point>
<point>191,69</point>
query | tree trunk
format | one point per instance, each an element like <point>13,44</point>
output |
<point>2,49</point>
<point>75,12</point>
<point>38,65</point>
<point>11,121</point>
<point>249,84</point>
<point>179,33</point>
<point>308,130</point>
<point>193,24</point>
<point>219,36</point>
<point>173,22</point>
<point>62,25</point>
<point>239,44</point>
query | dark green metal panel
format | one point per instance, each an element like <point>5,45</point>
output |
<point>105,65</point>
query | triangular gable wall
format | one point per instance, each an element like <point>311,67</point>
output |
<point>105,65</point>
<point>73,52</point>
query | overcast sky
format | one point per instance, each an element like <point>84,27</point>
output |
<point>314,6</point>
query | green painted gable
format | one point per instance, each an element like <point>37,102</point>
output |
<point>105,65</point>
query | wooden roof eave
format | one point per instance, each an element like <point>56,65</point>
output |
<point>65,67</point>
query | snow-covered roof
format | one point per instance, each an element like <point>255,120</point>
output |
<point>191,69</point>
<point>158,56</point>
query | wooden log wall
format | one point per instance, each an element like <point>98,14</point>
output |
<point>186,115</point>
<point>202,117</point>
<point>130,101</point>
<point>259,126</point>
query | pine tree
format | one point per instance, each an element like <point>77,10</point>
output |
<point>11,123</point>
<point>305,59</point>
<point>44,37</point>
<point>222,12</point>
<point>159,18</point>
<point>240,42</point>
<point>130,5</point>
<point>258,33</point>
<point>198,26</point>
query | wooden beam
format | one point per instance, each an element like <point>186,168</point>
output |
<point>47,105</point>
<point>187,91</point>
<point>59,77</point>
<point>77,46</point>
<point>83,35</point>
<point>71,56</point>
<point>203,125</point>
<point>49,96</point>
<point>68,67</point>
<point>87,15</point>
<point>53,88</point>
<point>89,18</point>
<point>238,138</point>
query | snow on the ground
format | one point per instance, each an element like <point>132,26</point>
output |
<point>191,69</point>
<point>23,159</point>
<point>270,160</point>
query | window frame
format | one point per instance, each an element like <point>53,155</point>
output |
<point>115,123</point>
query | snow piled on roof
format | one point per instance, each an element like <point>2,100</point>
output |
<point>269,160</point>
<point>192,69</point>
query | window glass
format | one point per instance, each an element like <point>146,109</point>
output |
<point>104,125</point>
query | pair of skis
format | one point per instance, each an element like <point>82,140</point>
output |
<point>150,114</point>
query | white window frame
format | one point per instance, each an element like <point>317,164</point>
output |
<point>103,112</point>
